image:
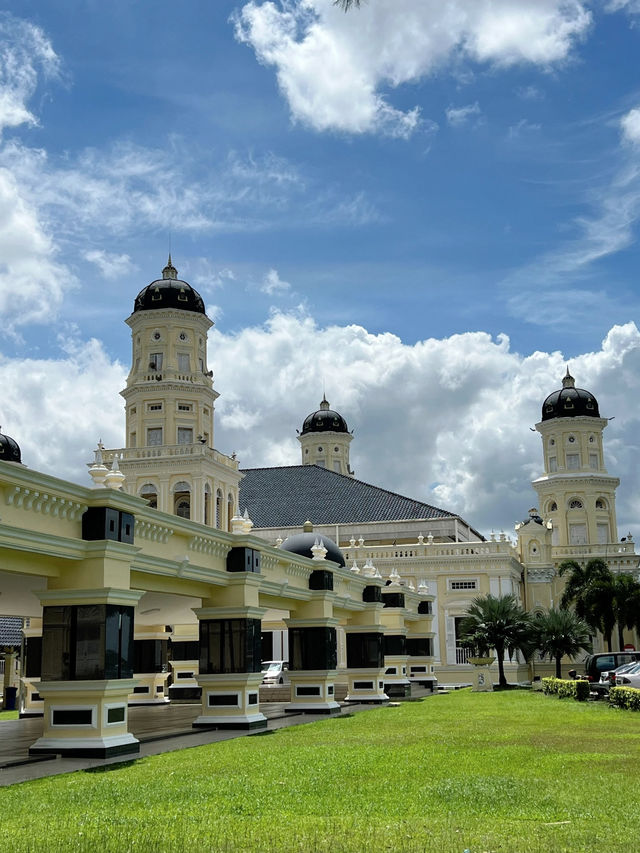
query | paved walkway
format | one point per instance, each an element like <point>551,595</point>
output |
<point>162,728</point>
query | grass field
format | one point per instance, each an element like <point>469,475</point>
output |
<point>8,715</point>
<point>511,771</point>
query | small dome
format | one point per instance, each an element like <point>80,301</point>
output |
<point>169,292</point>
<point>533,517</point>
<point>570,402</point>
<point>324,420</point>
<point>302,543</point>
<point>9,449</point>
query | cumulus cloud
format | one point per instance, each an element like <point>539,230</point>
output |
<point>444,420</point>
<point>58,408</point>
<point>333,69</point>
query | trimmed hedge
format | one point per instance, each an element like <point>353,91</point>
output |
<point>566,688</point>
<point>625,697</point>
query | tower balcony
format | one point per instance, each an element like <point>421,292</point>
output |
<point>169,451</point>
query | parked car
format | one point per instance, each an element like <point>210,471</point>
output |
<point>631,678</point>
<point>609,676</point>
<point>275,672</point>
<point>594,665</point>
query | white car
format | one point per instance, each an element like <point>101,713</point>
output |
<point>275,672</point>
<point>630,678</point>
<point>610,676</point>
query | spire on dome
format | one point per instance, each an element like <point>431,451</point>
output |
<point>169,271</point>
<point>324,404</point>
<point>568,381</point>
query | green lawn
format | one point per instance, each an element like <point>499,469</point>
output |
<point>511,771</point>
<point>8,715</point>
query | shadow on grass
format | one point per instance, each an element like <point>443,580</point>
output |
<point>118,765</point>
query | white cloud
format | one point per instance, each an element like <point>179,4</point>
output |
<point>458,116</point>
<point>332,68</point>
<point>522,127</point>
<point>272,283</point>
<point>111,266</point>
<point>25,52</point>
<point>630,124</point>
<point>445,421</point>
<point>57,409</point>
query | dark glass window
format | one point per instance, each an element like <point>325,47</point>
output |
<point>33,657</point>
<point>395,644</point>
<point>150,655</point>
<point>230,645</point>
<point>188,650</point>
<point>419,646</point>
<point>87,642</point>
<point>365,650</point>
<point>312,648</point>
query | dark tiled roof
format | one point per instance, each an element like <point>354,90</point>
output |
<point>10,631</point>
<point>287,497</point>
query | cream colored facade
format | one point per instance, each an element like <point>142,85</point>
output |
<point>405,583</point>
<point>169,458</point>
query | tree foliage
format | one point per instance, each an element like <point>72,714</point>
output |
<point>559,632</point>
<point>499,623</point>
<point>346,4</point>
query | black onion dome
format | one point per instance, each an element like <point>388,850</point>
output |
<point>9,449</point>
<point>570,402</point>
<point>324,420</point>
<point>169,292</point>
<point>302,543</point>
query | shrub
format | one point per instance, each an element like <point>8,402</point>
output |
<point>625,697</point>
<point>566,689</point>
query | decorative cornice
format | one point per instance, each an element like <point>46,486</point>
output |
<point>540,575</point>
<point>208,545</point>
<point>33,499</point>
<point>153,532</point>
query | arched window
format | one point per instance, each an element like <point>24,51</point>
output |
<point>207,504</point>
<point>575,503</point>
<point>230,511</point>
<point>182,499</point>
<point>150,493</point>
<point>218,508</point>
<point>601,503</point>
<point>553,506</point>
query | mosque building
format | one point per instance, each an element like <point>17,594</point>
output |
<point>176,571</point>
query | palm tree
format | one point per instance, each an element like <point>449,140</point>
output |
<point>589,588</point>
<point>496,622</point>
<point>346,4</point>
<point>626,603</point>
<point>560,632</point>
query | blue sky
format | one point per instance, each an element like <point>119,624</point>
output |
<point>426,206</point>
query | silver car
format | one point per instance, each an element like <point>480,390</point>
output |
<point>630,678</point>
<point>275,672</point>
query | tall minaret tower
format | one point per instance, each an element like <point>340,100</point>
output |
<point>575,492</point>
<point>325,440</point>
<point>169,457</point>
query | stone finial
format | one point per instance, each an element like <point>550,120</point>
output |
<point>114,478</point>
<point>369,569</point>
<point>361,541</point>
<point>247,524</point>
<point>394,576</point>
<point>318,550</point>
<point>430,539</point>
<point>279,541</point>
<point>567,380</point>
<point>423,587</point>
<point>98,471</point>
<point>307,527</point>
<point>352,542</point>
<point>237,523</point>
<point>354,567</point>
<point>169,272</point>
<point>420,539</point>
